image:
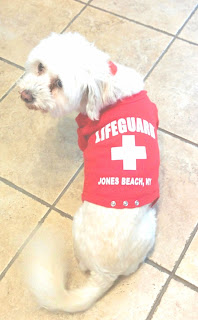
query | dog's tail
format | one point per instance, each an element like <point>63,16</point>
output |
<point>46,276</point>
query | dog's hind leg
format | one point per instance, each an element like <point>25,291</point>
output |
<point>143,243</point>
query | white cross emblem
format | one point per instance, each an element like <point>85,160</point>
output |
<point>129,152</point>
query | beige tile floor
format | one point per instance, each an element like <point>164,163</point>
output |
<point>41,167</point>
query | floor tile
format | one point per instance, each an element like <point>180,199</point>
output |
<point>165,15</point>
<point>38,153</point>
<point>188,268</point>
<point>8,76</point>
<point>190,32</point>
<point>173,87</point>
<point>179,302</point>
<point>19,215</point>
<point>34,20</point>
<point>15,297</point>
<point>177,211</point>
<point>131,298</point>
<point>126,42</point>
<point>71,200</point>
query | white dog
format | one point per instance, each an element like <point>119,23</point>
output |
<point>114,229</point>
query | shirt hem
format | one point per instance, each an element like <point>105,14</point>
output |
<point>122,203</point>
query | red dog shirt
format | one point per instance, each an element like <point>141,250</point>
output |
<point>121,154</point>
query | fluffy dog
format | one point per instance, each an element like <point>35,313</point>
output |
<point>114,229</point>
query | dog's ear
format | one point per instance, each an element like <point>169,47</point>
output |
<point>95,91</point>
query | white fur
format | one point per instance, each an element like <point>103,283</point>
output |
<point>108,242</point>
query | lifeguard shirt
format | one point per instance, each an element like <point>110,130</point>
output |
<point>121,154</point>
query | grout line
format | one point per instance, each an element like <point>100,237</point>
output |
<point>43,202</point>
<point>81,1</point>
<point>187,245</point>
<point>170,44</point>
<point>11,88</point>
<point>138,22</point>
<point>62,213</point>
<point>174,276</point>
<point>158,299</point>
<point>22,68</point>
<point>132,20</point>
<point>155,29</point>
<point>186,283</point>
<point>68,184</point>
<point>112,13</point>
<point>75,17</point>
<point>41,221</point>
<point>178,137</point>
<point>35,198</point>
<point>27,193</point>
<point>157,266</point>
<point>159,59</point>
<point>188,41</point>
<point>3,273</point>
<point>12,64</point>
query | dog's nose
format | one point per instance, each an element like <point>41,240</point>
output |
<point>26,96</point>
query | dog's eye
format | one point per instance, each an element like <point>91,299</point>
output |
<point>40,67</point>
<point>59,83</point>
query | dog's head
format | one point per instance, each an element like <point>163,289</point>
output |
<point>65,73</point>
